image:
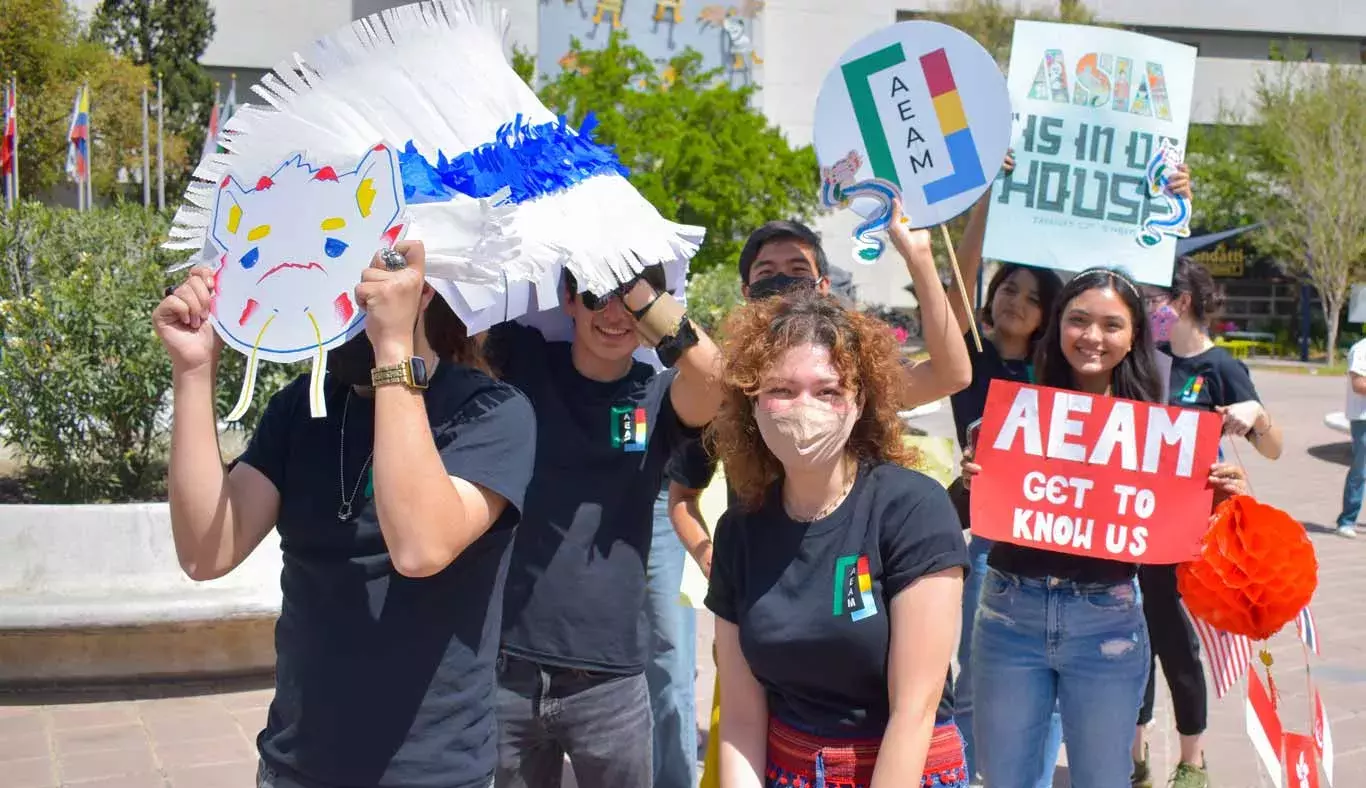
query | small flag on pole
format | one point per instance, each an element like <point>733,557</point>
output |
<point>1264,727</point>
<point>1228,655</point>
<point>78,138</point>
<point>211,133</point>
<point>1323,736</point>
<point>9,152</point>
<point>1308,632</point>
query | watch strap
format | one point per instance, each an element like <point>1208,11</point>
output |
<point>395,375</point>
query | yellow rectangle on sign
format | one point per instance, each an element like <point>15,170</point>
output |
<point>949,108</point>
<point>865,583</point>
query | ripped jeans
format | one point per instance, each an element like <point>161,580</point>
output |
<point>1037,642</point>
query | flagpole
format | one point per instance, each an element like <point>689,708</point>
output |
<point>89,150</point>
<point>146,154</point>
<point>161,148</point>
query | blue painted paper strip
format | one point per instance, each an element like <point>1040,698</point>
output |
<point>532,161</point>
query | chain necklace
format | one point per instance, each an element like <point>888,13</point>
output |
<point>344,511</point>
<point>833,505</point>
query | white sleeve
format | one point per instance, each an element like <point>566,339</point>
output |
<point>1356,362</point>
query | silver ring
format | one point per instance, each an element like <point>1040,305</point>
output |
<point>393,261</point>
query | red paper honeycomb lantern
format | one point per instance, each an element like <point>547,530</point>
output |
<point>1256,570</point>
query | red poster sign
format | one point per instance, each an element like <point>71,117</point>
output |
<point>1090,475</point>
<point>1301,768</point>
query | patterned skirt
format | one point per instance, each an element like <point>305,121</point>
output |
<point>801,760</point>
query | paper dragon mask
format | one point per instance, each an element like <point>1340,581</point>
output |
<point>408,123</point>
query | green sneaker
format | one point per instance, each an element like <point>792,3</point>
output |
<point>1142,777</point>
<point>1188,775</point>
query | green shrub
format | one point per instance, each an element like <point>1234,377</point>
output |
<point>84,382</point>
<point>711,295</point>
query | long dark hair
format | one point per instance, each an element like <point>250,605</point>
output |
<point>1191,278</point>
<point>1048,283</point>
<point>1136,376</point>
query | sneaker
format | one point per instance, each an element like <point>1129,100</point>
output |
<point>1188,775</point>
<point>1347,531</point>
<point>1142,777</point>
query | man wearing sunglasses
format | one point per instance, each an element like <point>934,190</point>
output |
<point>571,669</point>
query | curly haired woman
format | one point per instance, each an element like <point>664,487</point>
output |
<point>837,582</point>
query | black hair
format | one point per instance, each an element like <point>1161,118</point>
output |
<point>1048,282</point>
<point>1136,376</point>
<point>1191,278</point>
<point>448,337</point>
<point>782,230</point>
<point>653,274</point>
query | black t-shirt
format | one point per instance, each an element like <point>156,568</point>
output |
<point>576,586</point>
<point>693,466</point>
<point>812,600</point>
<point>988,365</point>
<point>1208,380</point>
<point>381,679</point>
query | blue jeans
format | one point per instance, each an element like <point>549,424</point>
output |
<point>1355,485</point>
<point>1080,646</point>
<point>672,671</point>
<point>978,549</point>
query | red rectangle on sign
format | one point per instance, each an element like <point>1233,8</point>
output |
<point>1301,768</point>
<point>1092,475</point>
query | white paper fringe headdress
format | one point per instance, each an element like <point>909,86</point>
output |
<point>502,193</point>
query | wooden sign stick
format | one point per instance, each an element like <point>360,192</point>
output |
<point>962,288</point>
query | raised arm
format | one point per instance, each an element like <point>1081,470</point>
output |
<point>949,368</point>
<point>696,392</point>
<point>428,516</point>
<point>970,256</point>
<point>217,517</point>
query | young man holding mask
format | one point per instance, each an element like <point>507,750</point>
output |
<point>571,672</point>
<point>396,512</point>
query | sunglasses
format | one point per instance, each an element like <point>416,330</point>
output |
<point>595,303</point>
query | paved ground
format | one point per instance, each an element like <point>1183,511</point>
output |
<point>201,736</point>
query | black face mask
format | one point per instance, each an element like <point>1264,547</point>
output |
<point>779,284</point>
<point>351,363</point>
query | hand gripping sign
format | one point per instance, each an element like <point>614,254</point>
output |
<point>1095,476</point>
<point>919,110</point>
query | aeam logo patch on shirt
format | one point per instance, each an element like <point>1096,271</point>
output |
<point>854,588</point>
<point>1191,393</point>
<point>630,428</point>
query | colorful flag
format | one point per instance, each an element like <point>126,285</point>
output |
<point>1228,655</point>
<point>1264,728</point>
<point>1308,632</point>
<point>1323,736</point>
<point>8,142</point>
<point>78,138</point>
<point>211,133</point>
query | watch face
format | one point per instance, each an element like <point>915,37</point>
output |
<point>419,368</point>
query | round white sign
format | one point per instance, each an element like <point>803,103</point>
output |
<point>920,108</point>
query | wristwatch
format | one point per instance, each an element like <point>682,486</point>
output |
<point>411,373</point>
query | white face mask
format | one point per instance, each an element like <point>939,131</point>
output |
<point>807,434</point>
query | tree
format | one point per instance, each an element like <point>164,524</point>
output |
<point>1308,140</point>
<point>992,23</point>
<point>41,41</point>
<point>696,148</point>
<point>169,37</point>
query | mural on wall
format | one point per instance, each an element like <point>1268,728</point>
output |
<point>723,33</point>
